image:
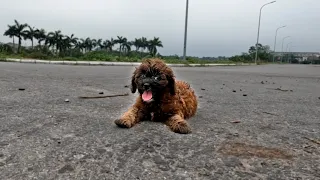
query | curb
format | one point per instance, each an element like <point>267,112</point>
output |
<point>102,63</point>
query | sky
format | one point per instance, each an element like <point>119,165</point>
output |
<point>215,27</point>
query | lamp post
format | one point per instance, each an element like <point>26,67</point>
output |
<point>185,31</point>
<point>282,46</point>
<point>288,46</point>
<point>287,51</point>
<point>275,41</point>
<point>259,30</point>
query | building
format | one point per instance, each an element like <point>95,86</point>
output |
<point>300,56</point>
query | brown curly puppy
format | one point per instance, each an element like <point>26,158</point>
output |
<point>162,98</point>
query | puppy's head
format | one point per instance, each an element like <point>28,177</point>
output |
<point>152,79</point>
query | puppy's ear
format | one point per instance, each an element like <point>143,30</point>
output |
<point>133,86</point>
<point>172,85</point>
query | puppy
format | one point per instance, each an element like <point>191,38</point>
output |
<point>161,98</point>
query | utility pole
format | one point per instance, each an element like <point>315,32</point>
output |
<point>185,30</point>
<point>255,60</point>
<point>282,46</point>
<point>275,41</point>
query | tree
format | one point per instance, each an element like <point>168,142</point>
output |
<point>108,44</point>
<point>100,44</point>
<point>144,43</point>
<point>94,44</point>
<point>263,51</point>
<point>66,43</point>
<point>55,42</point>
<point>49,42</point>
<point>137,43</point>
<point>81,45</point>
<point>30,34</point>
<point>17,30</point>
<point>120,41</point>
<point>126,45</point>
<point>89,44</point>
<point>40,35</point>
<point>72,40</point>
<point>153,44</point>
<point>55,39</point>
<point>11,32</point>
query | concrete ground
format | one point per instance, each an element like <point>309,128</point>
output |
<point>253,122</point>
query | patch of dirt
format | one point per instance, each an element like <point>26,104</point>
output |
<point>246,150</point>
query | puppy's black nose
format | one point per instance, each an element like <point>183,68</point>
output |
<point>146,85</point>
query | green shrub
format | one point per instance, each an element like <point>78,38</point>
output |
<point>70,58</point>
<point>6,49</point>
<point>99,56</point>
<point>37,55</point>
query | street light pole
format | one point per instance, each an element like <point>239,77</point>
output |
<point>185,31</point>
<point>287,51</point>
<point>288,46</point>
<point>259,30</point>
<point>275,41</point>
<point>282,46</point>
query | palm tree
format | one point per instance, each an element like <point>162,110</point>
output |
<point>105,44</point>
<point>40,35</point>
<point>137,43</point>
<point>120,41</point>
<point>49,42</point>
<point>72,40</point>
<point>19,32</point>
<point>55,39</point>
<point>108,44</point>
<point>144,43</point>
<point>66,44</point>
<point>94,44</point>
<point>57,42</point>
<point>126,46</point>
<point>30,34</point>
<point>89,44</point>
<point>11,32</point>
<point>100,43</point>
<point>81,45</point>
<point>153,44</point>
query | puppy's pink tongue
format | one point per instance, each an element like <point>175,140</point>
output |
<point>147,95</point>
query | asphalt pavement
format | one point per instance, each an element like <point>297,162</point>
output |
<point>253,122</point>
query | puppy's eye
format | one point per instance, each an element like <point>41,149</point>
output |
<point>156,78</point>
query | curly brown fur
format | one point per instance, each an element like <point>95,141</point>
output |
<point>171,102</point>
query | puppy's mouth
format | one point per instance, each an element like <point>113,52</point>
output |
<point>147,96</point>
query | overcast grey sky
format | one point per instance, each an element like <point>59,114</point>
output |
<point>215,27</point>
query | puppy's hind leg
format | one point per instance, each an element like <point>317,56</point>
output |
<point>129,118</point>
<point>178,125</point>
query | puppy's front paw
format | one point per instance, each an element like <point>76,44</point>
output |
<point>123,123</point>
<point>181,127</point>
